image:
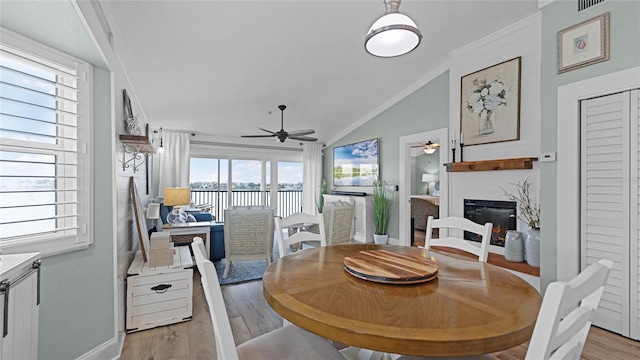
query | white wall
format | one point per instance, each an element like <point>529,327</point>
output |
<point>520,39</point>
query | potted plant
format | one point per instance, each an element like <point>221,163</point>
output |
<point>528,212</point>
<point>382,212</point>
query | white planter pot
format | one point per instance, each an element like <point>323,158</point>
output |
<point>380,239</point>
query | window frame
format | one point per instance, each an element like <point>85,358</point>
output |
<point>49,245</point>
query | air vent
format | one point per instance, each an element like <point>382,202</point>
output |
<point>585,4</point>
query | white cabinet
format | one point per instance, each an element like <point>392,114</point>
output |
<point>159,295</point>
<point>610,204</point>
<point>363,223</point>
<point>19,305</point>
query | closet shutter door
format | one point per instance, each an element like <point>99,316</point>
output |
<point>635,211</point>
<point>605,201</point>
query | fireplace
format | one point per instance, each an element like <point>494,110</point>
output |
<point>501,213</point>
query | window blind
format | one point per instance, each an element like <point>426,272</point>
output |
<point>39,148</point>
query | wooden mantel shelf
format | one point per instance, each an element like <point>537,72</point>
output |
<point>486,165</point>
<point>138,143</point>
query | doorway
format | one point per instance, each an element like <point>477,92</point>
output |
<point>440,136</point>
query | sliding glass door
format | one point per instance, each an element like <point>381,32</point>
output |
<point>221,183</point>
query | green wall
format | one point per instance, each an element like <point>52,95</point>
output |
<point>624,54</point>
<point>423,110</point>
<point>77,288</point>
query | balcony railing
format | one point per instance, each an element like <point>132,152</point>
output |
<point>289,201</point>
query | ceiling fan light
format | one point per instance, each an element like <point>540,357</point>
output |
<point>393,34</point>
<point>429,150</point>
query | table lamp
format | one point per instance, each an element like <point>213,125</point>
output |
<point>177,197</point>
<point>429,178</point>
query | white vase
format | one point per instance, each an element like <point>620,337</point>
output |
<point>532,247</point>
<point>514,246</point>
<point>380,239</point>
<point>487,125</point>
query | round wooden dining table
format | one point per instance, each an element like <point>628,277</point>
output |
<point>470,308</point>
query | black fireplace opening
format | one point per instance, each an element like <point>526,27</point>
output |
<point>501,213</point>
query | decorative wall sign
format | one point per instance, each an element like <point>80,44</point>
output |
<point>490,104</point>
<point>584,44</point>
<point>140,220</point>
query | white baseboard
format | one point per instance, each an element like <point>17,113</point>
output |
<point>108,350</point>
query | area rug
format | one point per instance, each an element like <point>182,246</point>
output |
<point>243,271</point>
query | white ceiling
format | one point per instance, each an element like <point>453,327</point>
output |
<point>218,68</point>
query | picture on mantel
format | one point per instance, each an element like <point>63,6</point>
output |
<point>490,104</point>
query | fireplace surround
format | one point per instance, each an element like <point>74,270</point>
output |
<point>501,213</point>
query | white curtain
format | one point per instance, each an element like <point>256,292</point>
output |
<point>174,161</point>
<point>312,176</point>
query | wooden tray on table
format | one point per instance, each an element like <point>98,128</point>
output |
<point>390,267</point>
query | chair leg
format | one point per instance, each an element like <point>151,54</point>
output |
<point>226,269</point>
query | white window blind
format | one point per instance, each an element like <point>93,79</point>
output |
<point>44,181</point>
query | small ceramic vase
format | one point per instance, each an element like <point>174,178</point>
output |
<point>514,246</point>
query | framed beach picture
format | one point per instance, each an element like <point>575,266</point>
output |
<point>584,44</point>
<point>490,104</point>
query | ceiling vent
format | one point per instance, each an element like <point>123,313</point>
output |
<point>585,4</point>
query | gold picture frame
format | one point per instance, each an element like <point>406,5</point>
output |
<point>584,44</point>
<point>490,104</point>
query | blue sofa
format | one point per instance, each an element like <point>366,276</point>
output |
<point>216,233</point>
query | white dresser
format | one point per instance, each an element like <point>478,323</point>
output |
<point>19,305</point>
<point>363,223</point>
<point>161,295</point>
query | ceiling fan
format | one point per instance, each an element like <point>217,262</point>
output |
<point>282,135</point>
<point>429,147</point>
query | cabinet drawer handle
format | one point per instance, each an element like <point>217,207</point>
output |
<point>162,288</point>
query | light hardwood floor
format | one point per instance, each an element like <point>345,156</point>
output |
<point>251,316</point>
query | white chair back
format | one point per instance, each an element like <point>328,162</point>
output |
<point>458,243</point>
<point>198,245</point>
<point>225,344</point>
<point>564,318</point>
<point>299,220</point>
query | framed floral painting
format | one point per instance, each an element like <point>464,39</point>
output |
<point>490,104</point>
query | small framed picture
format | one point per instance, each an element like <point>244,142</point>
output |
<point>584,44</point>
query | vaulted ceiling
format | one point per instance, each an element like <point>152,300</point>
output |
<point>221,68</point>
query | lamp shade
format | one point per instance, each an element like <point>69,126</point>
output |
<point>393,34</point>
<point>177,196</point>
<point>429,178</point>
<point>153,211</point>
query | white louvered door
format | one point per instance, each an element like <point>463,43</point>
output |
<point>610,203</point>
<point>634,252</point>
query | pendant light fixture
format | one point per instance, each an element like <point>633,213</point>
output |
<point>161,148</point>
<point>393,34</point>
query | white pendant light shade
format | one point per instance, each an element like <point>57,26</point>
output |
<point>394,34</point>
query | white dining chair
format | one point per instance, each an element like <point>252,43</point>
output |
<point>463,224</point>
<point>299,221</point>
<point>289,342</point>
<point>564,318</point>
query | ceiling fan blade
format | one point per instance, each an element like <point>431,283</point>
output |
<point>302,138</point>
<point>417,146</point>
<point>301,132</point>
<point>257,136</point>
<point>269,131</point>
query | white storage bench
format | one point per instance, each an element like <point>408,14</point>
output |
<point>162,295</point>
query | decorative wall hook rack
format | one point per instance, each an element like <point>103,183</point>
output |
<point>135,146</point>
